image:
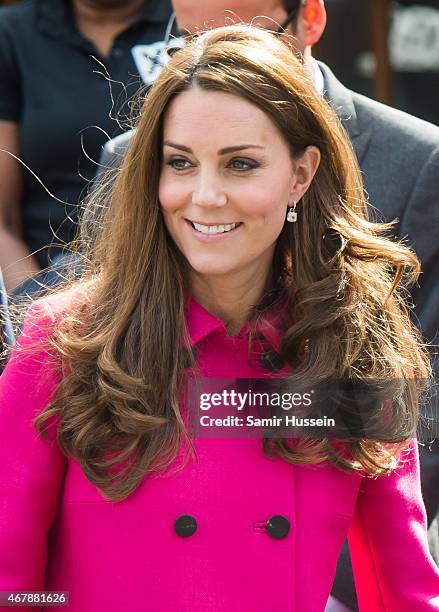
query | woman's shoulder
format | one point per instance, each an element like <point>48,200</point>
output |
<point>61,302</point>
<point>45,313</point>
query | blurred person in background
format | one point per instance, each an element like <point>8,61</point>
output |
<point>399,159</point>
<point>56,111</point>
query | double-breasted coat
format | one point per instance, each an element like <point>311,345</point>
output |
<point>58,532</point>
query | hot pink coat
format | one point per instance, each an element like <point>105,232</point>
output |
<point>57,532</point>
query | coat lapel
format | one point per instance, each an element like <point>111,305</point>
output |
<point>342,102</point>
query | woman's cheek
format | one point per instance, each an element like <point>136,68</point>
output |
<point>165,193</point>
<point>265,202</point>
<point>172,191</point>
<point>272,216</point>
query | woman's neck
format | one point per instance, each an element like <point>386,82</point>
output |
<point>229,299</point>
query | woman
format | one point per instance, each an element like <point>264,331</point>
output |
<point>234,244</point>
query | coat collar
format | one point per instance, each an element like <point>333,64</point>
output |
<point>341,100</point>
<point>201,323</point>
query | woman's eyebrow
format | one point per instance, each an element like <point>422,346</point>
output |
<point>238,148</point>
<point>223,151</point>
<point>167,143</point>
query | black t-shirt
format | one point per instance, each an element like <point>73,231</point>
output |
<point>53,84</point>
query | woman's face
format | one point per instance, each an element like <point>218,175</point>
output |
<point>226,182</point>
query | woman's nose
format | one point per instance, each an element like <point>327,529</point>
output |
<point>209,191</point>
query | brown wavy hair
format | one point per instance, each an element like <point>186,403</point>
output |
<point>124,346</point>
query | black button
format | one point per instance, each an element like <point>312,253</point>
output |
<point>271,361</point>
<point>278,526</point>
<point>185,525</point>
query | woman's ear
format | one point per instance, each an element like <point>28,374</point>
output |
<point>312,21</point>
<point>304,168</point>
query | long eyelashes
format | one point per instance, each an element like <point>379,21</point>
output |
<point>240,164</point>
<point>178,163</point>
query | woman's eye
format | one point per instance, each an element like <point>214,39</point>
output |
<point>243,164</point>
<point>178,163</point>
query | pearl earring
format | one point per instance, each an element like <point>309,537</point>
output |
<point>292,215</point>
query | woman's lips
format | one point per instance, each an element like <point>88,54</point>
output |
<point>213,231</point>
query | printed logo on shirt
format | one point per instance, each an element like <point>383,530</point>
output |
<point>150,59</point>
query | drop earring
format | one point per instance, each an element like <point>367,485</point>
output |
<point>292,215</point>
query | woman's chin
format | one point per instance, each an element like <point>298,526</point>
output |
<point>212,267</point>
